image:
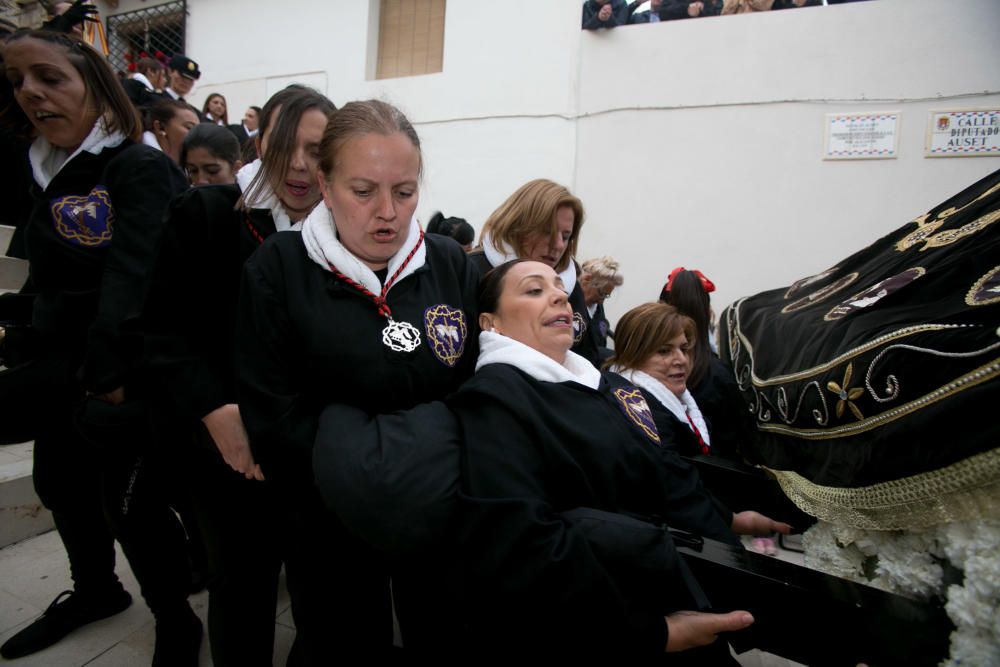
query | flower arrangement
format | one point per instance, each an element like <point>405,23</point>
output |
<point>912,563</point>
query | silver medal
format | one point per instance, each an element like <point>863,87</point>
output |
<point>401,336</point>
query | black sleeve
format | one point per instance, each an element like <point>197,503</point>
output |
<point>141,183</point>
<point>279,418</point>
<point>674,9</point>
<point>619,15</point>
<point>392,479</point>
<point>522,551</point>
<point>187,278</point>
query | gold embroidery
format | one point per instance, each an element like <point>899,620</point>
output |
<point>820,294</point>
<point>949,236</point>
<point>925,228</point>
<point>969,489</point>
<point>967,381</point>
<point>845,395</point>
<point>822,368</point>
<point>974,298</point>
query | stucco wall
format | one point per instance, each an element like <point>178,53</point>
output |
<point>691,142</point>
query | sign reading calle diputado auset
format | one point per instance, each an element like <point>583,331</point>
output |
<point>963,133</point>
<point>859,136</point>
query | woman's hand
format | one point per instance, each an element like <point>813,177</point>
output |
<point>755,523</point>
<point>226,428</point>
<point>691,629</point>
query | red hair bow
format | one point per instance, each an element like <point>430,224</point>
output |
<point>706,284</point>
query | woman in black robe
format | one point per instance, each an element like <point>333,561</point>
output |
<point>360,309</point>
<point>556,453</point>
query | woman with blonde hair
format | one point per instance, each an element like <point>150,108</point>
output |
<point>541,221</point>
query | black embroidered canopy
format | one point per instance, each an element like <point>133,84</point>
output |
<point>885,368</point>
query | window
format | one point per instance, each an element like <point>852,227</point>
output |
<point>160,28</point>
<point>410,37</point>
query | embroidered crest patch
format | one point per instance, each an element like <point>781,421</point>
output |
<point>986,290</point>
<point>805,282</point>
<point>446,330</point>
<point>579,328</point>
<point>84,221</point>
<point>874,294</point>
<point>820,294</point>
<point>637,411</point>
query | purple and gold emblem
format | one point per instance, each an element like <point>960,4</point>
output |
<point>986,290</point>
<point>446,330</point>
<point>874,294</point>
<point>820,294</point>
<point>634,405</point>
<point>84,221</point>
<point>579,328</point>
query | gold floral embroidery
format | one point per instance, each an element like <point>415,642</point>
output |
<point>846,395</point>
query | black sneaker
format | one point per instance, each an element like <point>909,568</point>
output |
<point>69,611</point>
<point>178,640</point>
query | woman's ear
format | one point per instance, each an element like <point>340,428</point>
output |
<point>486,322</point>
<point>237,166</point>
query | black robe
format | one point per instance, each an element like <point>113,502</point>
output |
<point>542,462</point>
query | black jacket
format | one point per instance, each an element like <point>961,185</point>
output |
<point>91,242</point>
<point>534,454</point>
<point>619,15</point>
<point>188,326</point>
<point>307,340</point>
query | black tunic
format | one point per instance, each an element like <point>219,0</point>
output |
<point>537,453</point>
<point>189,322</point>
<point>306,340</point>
<point>87,285</point>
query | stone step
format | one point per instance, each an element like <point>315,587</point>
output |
<point>13,273</point>
<point>21,512</point>
<point>6,232</point>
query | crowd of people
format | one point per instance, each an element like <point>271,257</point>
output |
<point>269,361</point>
<point>612,13</point>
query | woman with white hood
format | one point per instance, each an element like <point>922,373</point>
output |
<point>189,328</point>
<point>566,490</point>
<point>541,221</point>
<point>364,310</point>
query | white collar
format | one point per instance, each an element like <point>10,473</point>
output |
<point>170,91</point>
<point>319,233</point>
<point>497,257</point>
<point>250,133</point>
<point>149,139</point>
<point>496,348</point>
<point>681,407</point>
<point>266,199</point>
<point>141,78</point>
<point>48,160</point>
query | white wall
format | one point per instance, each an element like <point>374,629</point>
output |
<point>691,142</point>
<point>716,140</point>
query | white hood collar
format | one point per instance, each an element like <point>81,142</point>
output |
<point>48,160</point>
<point>496,348</point>
<point>319,233</point>
<point>266,199</point>
<point>682,407</point>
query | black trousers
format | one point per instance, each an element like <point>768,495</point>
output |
<point>97,469</point>
<point>339,587</point>
<point>238,520</point>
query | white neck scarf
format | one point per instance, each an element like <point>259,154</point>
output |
<point>319,233</point>
<point>496,348</point>
<point>496,258</point>
<point>266,198</point>
<point>681,407</point>
<point>48,160</point>
<point>141,78</point>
